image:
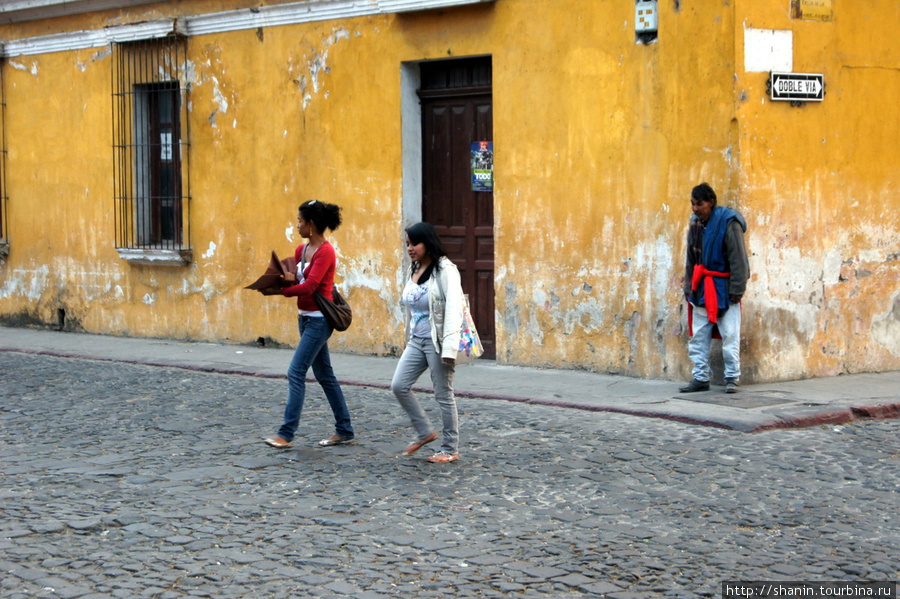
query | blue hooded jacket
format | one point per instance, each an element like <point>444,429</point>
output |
<point>714,257</point>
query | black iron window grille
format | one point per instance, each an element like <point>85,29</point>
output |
<point>151,163</point>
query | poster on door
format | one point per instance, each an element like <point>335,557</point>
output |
<point>483,166</point>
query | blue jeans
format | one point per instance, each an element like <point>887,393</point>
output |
<point>698,347</point>
<point>313,351</point>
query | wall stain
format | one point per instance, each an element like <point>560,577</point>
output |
<point>886,329</point>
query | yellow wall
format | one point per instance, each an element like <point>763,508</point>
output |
<point>820,187</point>
<point>598,141</point>
<point>597,149</point>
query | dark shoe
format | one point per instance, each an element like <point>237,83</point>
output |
<point>335,440</point>
<point>731,385</point>
<point>417,445</point>
<point>278,443</point>
<point>695,386</point>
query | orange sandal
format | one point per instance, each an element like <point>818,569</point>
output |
<point>442,457</point>
<point>417,445</point>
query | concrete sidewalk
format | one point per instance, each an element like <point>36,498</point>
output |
<point>755,408</point>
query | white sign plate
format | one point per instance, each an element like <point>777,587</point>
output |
<point>797,87</point>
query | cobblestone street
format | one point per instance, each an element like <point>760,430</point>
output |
<point>123,480</point>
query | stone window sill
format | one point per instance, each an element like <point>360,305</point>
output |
<point>155,257</point>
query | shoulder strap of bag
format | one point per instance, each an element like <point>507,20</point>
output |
<point>437,277</point>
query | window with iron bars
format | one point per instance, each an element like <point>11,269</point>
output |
<point>150,146</point>
<point>4,219</point>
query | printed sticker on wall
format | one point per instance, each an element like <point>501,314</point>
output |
<point>812,10</point>
<point>165,147</point>
<point>483,166</point>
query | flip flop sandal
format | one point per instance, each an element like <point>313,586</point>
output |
<point>335,440</point>
<point>442,457</point>
<point>417,445</point>
<point>278,443</point>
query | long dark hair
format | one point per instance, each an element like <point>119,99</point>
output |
<point>324,215</point>
<point>425,233</point>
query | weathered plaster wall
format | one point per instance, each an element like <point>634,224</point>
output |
<point>595,172</point>
<point>820,186</point>
<point>59,219</point>
<point>598,141</point>
<point>266,134</point>
<point>279,123</point>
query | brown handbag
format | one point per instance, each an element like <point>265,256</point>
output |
<point>337,312</point>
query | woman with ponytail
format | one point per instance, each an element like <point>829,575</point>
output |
<point>316,263</point>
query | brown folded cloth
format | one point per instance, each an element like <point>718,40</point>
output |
<point>271,282</point>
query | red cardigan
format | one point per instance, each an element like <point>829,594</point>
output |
<point>319,277</point>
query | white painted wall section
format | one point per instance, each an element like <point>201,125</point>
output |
<point>768,50</point>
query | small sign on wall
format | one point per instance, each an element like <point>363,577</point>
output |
<point>797,87</point>
<point>483,166</point>
<point>165,145</point>
<point>813,10</point>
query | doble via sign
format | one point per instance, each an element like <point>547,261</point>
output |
<point>797,87</point>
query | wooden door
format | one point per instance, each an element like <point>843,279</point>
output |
<point>457,111</point>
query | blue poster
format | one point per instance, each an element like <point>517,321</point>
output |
<point>483,166</point>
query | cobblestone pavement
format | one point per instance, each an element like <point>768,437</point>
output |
<point>134,481</point>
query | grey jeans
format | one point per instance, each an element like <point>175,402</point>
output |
<point>698,346</point>
<point>418,356</point>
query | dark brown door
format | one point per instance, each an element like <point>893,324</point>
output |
<point>456,111</point>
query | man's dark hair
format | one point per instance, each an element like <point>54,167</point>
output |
<point>704,193</point>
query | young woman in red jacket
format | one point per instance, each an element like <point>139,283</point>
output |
<point>315,274</point>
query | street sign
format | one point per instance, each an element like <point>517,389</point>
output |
<point>797,87</point>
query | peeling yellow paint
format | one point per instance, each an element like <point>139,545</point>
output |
<point>598,143</point>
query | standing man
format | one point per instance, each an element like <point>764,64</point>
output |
<point>716,275</point>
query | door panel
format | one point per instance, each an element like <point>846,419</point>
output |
<point>453,118</point>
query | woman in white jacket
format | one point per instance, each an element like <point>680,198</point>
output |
<point>433,298</point>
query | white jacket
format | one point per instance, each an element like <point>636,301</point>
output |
<point>445,310</point>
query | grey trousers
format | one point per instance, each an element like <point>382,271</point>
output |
<point>418,356</point>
